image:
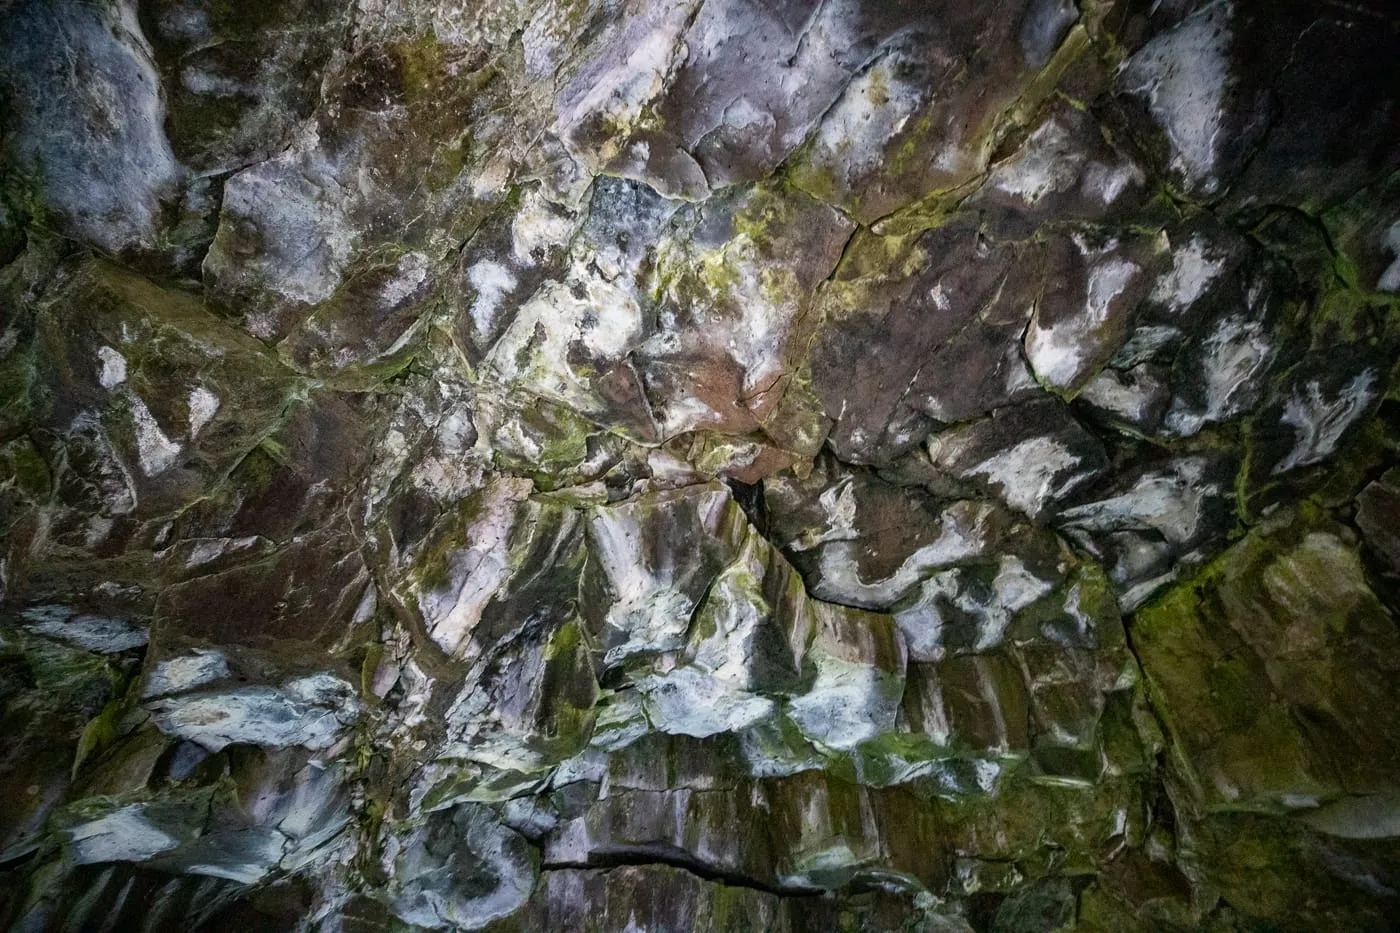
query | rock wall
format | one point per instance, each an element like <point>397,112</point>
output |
<point>706,465</point>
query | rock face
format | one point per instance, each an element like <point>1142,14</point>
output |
<point>699,465</point>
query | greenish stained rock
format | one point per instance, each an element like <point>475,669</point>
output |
<point>1366,238</point>
<point>737,277</point>
<point>1245,664</point>
<point>51,692</point>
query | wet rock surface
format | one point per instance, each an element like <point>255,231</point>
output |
<point>702,465</point>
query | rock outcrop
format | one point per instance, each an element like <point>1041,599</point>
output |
<point>699,465</point>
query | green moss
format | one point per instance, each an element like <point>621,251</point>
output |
<point>570,728</point>
<point>22,465</point>
<point>534,437</point>
<point>100,732</point>
<point>1255,663</point>
<point>768,210</point>
<point>716,274</point>
<point>912,151</point>
<point>440,94</point>
<point>70,675</point>
<point>564,643</point>
<point>1128,734</point>
<point>891,758</point>
<point>263,461</point>
<point>435,566</point>
<point>420,65</point>
<point>816,181</point>
<point>22,194</point>
<point>374,654</point>
<point>23,399</point>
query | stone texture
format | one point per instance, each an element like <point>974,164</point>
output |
<point>699,465</point>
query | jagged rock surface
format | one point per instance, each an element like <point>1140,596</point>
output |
<point>699,465</point>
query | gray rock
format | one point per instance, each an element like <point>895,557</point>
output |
<point>698,465</point>
<point>86,124</point>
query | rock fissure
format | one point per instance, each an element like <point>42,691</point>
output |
<point>606,861</point>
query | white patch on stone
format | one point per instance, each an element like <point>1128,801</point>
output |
<point>823,868</point>
<point>99,526</point>
<point>476,572</point>
<point>614,325</point>
<point>1144,343</point>
<point>124,835</point>
<point>735,609</point>
<point>1193,270</point>
<point>89,632</point>
<point>1059,353</point>
<point>691,702</point>
<point>987,773</point>
<point>962,536</point>
<point>847,704</point>
<point>1084,624</point>
<point>747,318</point>
<point>1013,589</point>
<point>113,372</point>
<point>839,504</point>
<point>1108,182</point>
<point>410,273</point>
<point>1126,398</point>
<point>310,712</point>
<point>108,473</point>
<point>92,135</point>
<point>652,619</point>
<point>156,452</point>
<point>432,895</point>
<point>203,406</point>
<point>455,431</point>
<point>243,856</point>
<point>1027,473</point>
<point>188,672</point>
<point>493,282</point>
<point>297,204</point>
<point>1048,163</point>
<point>650,612</point>
<point>1236,356</point>
<point>872,111</point>
<point>620,723</point>
<point>1169,502</point>
<point>1184,74</point>
<point>677,415</point>
<point>1369,816</point>
<point>538,227</point>
<point>1319,423</point>
<point>210,549</point>
<point>1390,278</point>
<point>207,82</point>
<point>537,348</point>
<point>617,87</point>
<point>1043,29</point>
<point>493,177</point>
